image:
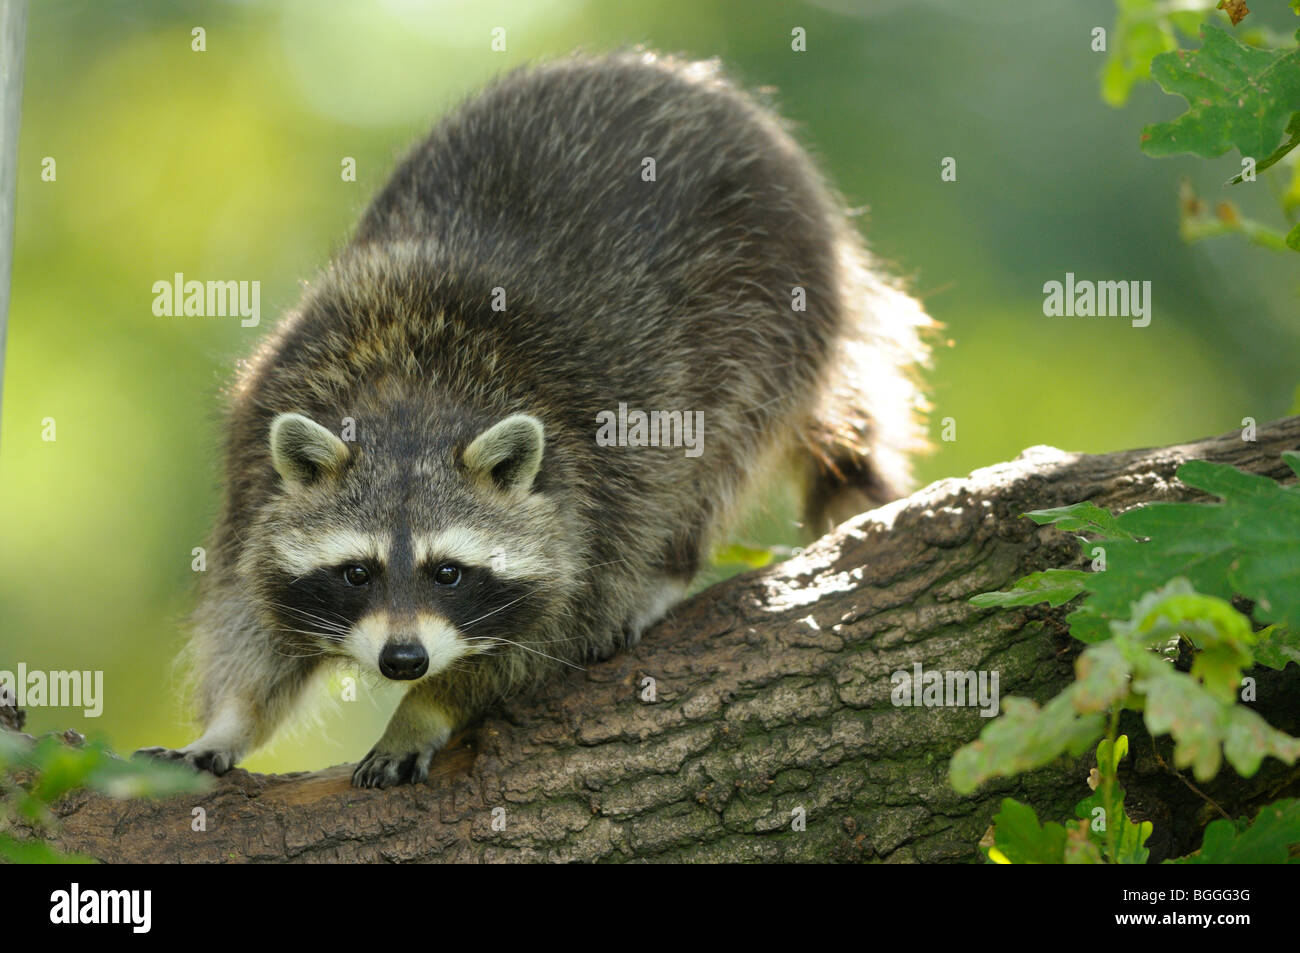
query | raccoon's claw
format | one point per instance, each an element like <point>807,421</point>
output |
<point>383,769</point>
<point>632,636</point>
<point>627,638</point>
<point>212,761</point>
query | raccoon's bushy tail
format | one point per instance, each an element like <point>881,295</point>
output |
<point>870,419</point>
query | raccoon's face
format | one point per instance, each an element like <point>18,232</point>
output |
<point>406,552</point>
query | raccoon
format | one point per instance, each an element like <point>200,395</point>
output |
<point>414,479</point>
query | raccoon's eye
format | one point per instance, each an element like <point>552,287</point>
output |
<point>446,575</point>
<point>356,576</point>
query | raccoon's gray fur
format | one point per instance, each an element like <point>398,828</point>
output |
<point>470,534</point>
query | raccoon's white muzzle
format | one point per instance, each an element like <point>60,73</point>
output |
<point>397,647</point>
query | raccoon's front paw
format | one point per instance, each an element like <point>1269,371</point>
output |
<point>212,760</point>
<point>383,769</point>
<point>623,639</point>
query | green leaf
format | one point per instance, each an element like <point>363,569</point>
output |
<point>1131,847</point>
<point>1275,647</point>
<point>1204,728</point>
<point>1238,97</point>
<point>1087,624</point>
<point>1101,678</point>
<point>1143,30</point>
<point>1269,839</point>
<point>1221,633</point>
<point>1079,847</point>
<point>1053,586</point>
<point>1292,140</point>
<point>1248,739</point>
<point>1225,481</point>
<point>737,553</point>
<point>1293,238</point>
<point>36,851</point>
<point>1177,706</point>
<point>1023,738</point>
<point>1110,755</point>
<point>1171,570</point>
<point>61,767</point>
<point>1248,545</point>
<point>1130,840</point>
<point>13,748</point>
<point>1018,838</point>
<point>1080,518</point>
<point>1261,521</point>
<point>1199,710</point>
<point>144,777</point>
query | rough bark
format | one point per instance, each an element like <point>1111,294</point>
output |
<point>772,694</point>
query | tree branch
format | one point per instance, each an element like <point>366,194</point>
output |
<point>772,694</point>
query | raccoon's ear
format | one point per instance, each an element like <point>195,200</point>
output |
<point>509,452</point>
<point>303,451</point>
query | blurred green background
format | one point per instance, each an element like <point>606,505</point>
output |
<point>225,165</point>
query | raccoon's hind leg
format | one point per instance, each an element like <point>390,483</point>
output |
<point>665,594</point>
<point>869,418</point>
<point>665,585</point>
<point>841,483</point>
<point>245,687</point>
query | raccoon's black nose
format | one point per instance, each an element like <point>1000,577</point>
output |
<point>403,660</point>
